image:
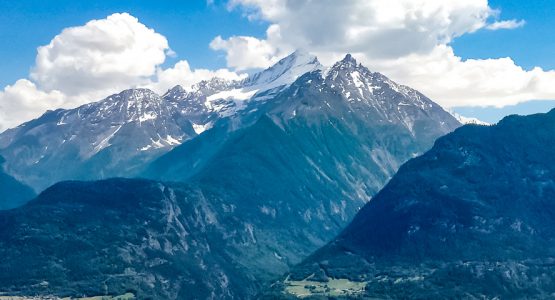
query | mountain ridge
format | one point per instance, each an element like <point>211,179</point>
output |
<point>96,140</point>
<point>89,136</point>
<point>471,218</point>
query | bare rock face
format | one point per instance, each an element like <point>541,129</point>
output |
<point>111,237</point>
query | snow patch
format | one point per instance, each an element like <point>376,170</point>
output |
<point>106,141</point>
<point>235,94</point>
<point>199,128</point>
<point>147,116</point>
<point>172,141</point>
<point>357,81</point>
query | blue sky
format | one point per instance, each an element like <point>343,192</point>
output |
<point>191,25</point>
<point>531,45</point>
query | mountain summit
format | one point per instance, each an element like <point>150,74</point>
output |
<point>381,99</point>
<point>285,71</point>
<point>219,98</point>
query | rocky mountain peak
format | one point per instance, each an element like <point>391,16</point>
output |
<point>175,92</point>
<point>348,68</point>
<point>127,106</point>
<point>348,62</point>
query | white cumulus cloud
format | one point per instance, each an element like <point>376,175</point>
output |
<point>103,55</point>
<point>452,81</point>
<point>408,40</point>
<point>23,101</point>
<point>380,28</point>
<point>245,52</point>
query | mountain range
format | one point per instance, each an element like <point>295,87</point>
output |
<point>112,137</point>
<point>472,218</point>
<point>117,136</point>
<point>245,179</point>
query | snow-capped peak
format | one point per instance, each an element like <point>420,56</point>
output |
<point>377,95</point>
<point>285,71</point>
<point>228,97</point>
